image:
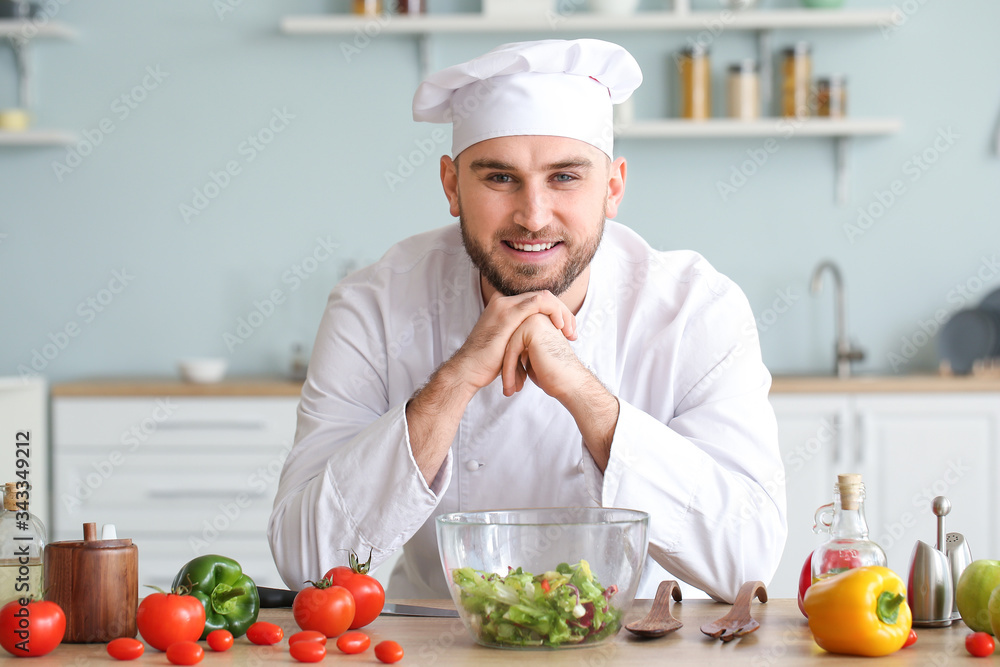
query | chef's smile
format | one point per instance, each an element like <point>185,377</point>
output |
<point>532,251</point>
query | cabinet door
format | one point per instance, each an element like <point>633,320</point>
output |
<point>811,439</point>
<point>916,447</point>
<point>181,477</point>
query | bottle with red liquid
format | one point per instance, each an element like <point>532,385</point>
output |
<point>848,546</point>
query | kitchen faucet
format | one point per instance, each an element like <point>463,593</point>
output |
<point>845,354</point>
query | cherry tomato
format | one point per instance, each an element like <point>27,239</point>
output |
<point>805,581</point>
<point>307,636</point>
<point>324,608</point>
<point>308,651</point>
<point>388,652</point>
<point>220,640</point>
<point>264,633</point>
<point>369,597</point>
<point>979,644</point>
<point>44,630</point>
<point>911,639</point>
<point>353,642</point>
<point>125,648</point>
<point>166,618</point>
<point>185,653</point>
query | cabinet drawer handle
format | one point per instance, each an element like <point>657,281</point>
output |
<point>207,425</point>
<point>175,494</point>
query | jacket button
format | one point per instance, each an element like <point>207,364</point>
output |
<point>472,465</point>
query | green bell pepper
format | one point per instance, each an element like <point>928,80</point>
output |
<point>230,597</point>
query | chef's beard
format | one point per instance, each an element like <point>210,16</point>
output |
<point>510,279</point>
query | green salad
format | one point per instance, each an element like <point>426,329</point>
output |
<point>562,606</point>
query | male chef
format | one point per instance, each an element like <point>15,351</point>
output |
<point>535,354</point>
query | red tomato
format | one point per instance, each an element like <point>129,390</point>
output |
<point>307,636</point>
<point>185,653</point>
<point>324,608</point>
<point>220,640</point>
<point>911,639</point>
<point>166,618</point>
<point>308,651</point>
<point>125,648</point>
<point>369,597</point>
<point>33,629</point>
<point>353,642</point>
<point>979,644</point>
<point>388,652</point>
<point>265,633</point>
<point>805,581</point>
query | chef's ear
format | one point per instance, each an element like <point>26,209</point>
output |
<point>449,181</point>
<point>616,187</point>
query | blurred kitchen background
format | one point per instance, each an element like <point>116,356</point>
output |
<point>221,175</point>
<point>223,75</point>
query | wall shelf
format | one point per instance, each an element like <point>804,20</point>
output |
<point>585,21</point>
<point>17,33</point>
<point>14,28</point>
<point>784,128</point>
<point>36,138</point>
<point>760,22</point>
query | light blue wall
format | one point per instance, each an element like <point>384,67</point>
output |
<point>323,176</point>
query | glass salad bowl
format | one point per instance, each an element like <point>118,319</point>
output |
<point>543,578</point>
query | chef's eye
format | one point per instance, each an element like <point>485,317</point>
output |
<point>500,178</point>
<point>564,178</point>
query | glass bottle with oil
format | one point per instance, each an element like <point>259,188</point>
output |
<point>848,546</point>
<point>22,543</point>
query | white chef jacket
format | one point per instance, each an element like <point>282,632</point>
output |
<point>695,445</point>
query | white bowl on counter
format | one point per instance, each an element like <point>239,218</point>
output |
<point>204,370</point>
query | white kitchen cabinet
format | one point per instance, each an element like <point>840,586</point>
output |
<point>182,476</point>
<point>909,447</point>
<point>813,448</point>
<point>913,448</point>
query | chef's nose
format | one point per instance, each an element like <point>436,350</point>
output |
<point>534,208</point>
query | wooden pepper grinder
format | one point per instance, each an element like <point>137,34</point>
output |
<point>96,582</point>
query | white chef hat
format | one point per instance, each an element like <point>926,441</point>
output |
<point>557,87</point>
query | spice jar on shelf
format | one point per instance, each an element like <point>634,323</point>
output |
<point>831,96</point>
<point>796,76</point>
<point>368,7</point>
<point>695,82</point>
<point>412,6</point>
<point>743,88</point>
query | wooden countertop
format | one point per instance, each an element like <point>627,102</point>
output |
<point>884,384</point>
<point>783,639</point>
<point>782,384</point>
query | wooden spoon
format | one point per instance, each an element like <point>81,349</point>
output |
<point>658,621</point>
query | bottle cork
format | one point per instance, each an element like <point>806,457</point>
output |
<point>850,490</point>
<point>10,497</point>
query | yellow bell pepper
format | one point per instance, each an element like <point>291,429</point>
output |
<point>862,611</point>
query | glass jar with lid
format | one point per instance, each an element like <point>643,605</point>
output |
<point>831,96</point>
<point>695,76</point>
<point>796,77</point>
<point>743,88</point>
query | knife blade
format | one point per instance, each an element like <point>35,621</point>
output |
<point>271,598</point>
<point>393,609</point>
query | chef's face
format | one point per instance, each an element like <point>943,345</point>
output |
<point>532,209</point>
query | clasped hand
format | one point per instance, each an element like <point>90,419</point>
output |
<point>519,337</point>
